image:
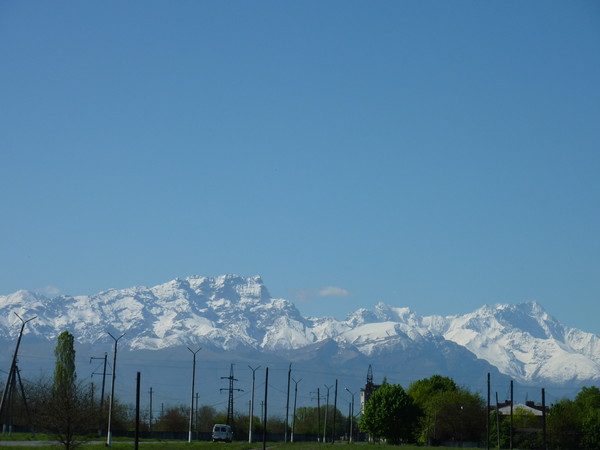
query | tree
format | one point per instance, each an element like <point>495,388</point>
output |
<point>447,412</point>
<point>390,414</point>
<point>564,425</point>
<point>175,419</point>
<point>64,407</point>
<point>64,369</point>
<point>588,402</point>
<point>206,418</point>
<point>424,391</point>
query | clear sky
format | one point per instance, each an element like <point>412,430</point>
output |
<point>439,155</point>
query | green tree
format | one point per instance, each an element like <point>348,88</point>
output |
<point>390,414</point>
<point>447,412</point>
<point>175,419</point>
<point>64,408</point>
<point>424,391</point>
<point>206,418</point>
<point>64,369</point>
<point>564,425</point>
<point>588,403</point>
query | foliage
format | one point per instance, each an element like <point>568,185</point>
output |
<point>66,412</point>
<point>576,423</point>
<point>526,429</point>
<point>64,371</point>
<point>590,428</point>
<point>174,419</point>
<point>447,412</point>
<point>64,408</point>
<point>424,391</point>
<point>307,420</point>
<point>564,419</point>
<point>588,403</point>
<point>206,418</point>
<point>390,414</point>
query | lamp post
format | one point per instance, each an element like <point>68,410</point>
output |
<point>351,416</point>
<point>326,413</point>
<point>252,403</point>
<point>192,398</point>
<point>112,391</point>
<point>295,398</point>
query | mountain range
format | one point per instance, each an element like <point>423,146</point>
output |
<point>235,318</point>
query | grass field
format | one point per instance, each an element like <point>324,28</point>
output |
<point>157,445</point>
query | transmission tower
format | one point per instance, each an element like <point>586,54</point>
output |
<point>13,373</point>
<point>231,379</point>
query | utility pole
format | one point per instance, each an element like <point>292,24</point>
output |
<point>326,414</point>
<point>252,403</point>
<point>287,405</point>
<point>103,386</point>
<point>351,415</point>
<point>150,424</point>
<point>295,398</point>
<point>265,410</point>
<point>192,396</point>
<point>262,410</point>
<point>498,420</point>
<point>231,389</point>
<point>13,366</point>
<point>334,412</point>
<point>318,414</point>
<point>196,418</point>
<point>18,372</point>
<point>511,413</point>
<point>112,390</point>
<point>488,411</point>
<point>103,378</point>
<point>136,442</point>
<point>545,443</point>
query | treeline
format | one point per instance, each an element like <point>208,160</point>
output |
<point>69,410</point>
<point>436,411</point>
<point>432,411</point>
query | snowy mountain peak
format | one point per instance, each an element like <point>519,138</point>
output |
<point>233,312</point>
<point>524,341</point>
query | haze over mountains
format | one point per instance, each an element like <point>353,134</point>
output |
<point>234,317</point>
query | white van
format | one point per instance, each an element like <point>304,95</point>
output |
<point>222,433</point>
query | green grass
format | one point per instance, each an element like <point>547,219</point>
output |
<point>170,445</point>
<point>123,443</point>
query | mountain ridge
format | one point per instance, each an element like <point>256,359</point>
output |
<point>234,313</point>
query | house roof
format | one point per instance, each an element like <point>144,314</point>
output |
<point>505,410</point>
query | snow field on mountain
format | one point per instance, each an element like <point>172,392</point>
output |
<point>234,313</point>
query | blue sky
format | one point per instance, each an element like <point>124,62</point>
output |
<point>437,155</point>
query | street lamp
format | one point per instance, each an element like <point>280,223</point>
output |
<point>193,388</point>
<point>351,415</point>
<point>112,391</point>
<point>295,398</point>
<point>252,403</point>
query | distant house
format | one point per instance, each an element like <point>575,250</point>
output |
<point>529,408</point>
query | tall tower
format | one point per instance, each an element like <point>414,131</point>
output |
<point>368,390</point>
<point>231,379</point>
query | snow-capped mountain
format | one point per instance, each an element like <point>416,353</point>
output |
<point>237,314</point>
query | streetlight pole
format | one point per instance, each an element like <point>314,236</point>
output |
<point>326,413</point>
<point>252,404</point>
<point>192,397</point>
<point>351,416</point>
<point>112,391</point>
<point>295,398</point>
